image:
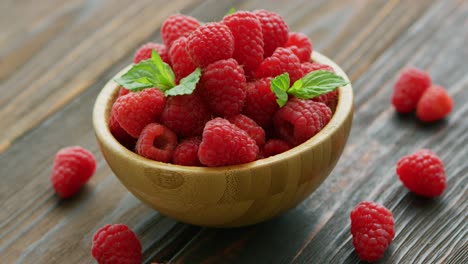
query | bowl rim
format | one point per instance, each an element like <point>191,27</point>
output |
<point>107,95</point>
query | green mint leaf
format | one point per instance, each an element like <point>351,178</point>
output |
<point>317,83</point>
<point>148,73</point>
<point>279,86</point>
<point>231,10</point>
<point>186,85</point>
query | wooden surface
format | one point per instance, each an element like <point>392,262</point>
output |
<point>55,56</point>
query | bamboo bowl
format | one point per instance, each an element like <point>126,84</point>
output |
<point>230,196</point>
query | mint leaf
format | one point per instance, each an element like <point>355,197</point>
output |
<point>231,10</point>
<point>316,83</point>
<point>148,73</point>
<point>279,86</point>
<point>186,85</point>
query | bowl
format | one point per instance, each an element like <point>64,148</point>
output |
<point>229,196</point>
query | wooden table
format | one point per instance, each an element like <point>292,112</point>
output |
<point>56,55</point>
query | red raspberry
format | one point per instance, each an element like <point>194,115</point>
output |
<point>123,91</point>
<point>225,144</point>
<point>409,88</point>
<point>119,133</point>
<point>177,26</point>
<point>274,146</point>
<point>156,142</point>
<point>136,110</point>
<point>274,30</point>
<point>300,120</point>
<point>422,173</point>
<point>186,115</point>
<point>434,104</point>
<point>283,60</point>
<point>209,43</point>
<point>182,65</point>
<point>144,52</point>
<point>260,103</point>
<point>301,45</point>
<point>222,86</point>
<point>255,131</point>
<point>373,229</point>
<point>73,166</point>
<point>248,40</point>
<point>116,244</point>
<point>314,66</point>
<point>186,153</point>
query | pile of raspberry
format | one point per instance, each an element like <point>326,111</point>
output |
<point>232,117</point>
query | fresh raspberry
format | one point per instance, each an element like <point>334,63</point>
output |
<point>434,104</point>
<point>299,120</point>
<point>144,52</point>
<point>136,110</point>
<point>116,244</point>
<point>119,133</point>
<point>409,88</point>
<point>260,102</point>
<point>283,60</point>
<point>209,43</point>
<point>156,142</point>
<point>314,66</point>
<point>182,65</point>
<point>274,146</point>
<point>177,26</point>
<point>186,115</point>
<point>274,30</point>
<point>225,144</point>
<point>300,44</point>
<point>222,86</point>
<point>373,229</point>
<point>422,173</point>
<point>255,131</point>
<point>123,91</point>
<point>186,153</point>
<point>248,40</point>
<point>73,166</point>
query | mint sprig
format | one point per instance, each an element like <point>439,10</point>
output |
<point>312,85</point>
<point>231,10</point>
<point>154,72</point>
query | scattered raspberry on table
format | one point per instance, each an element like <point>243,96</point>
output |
<point>409,88</point>
<point>434,104</point>
<point>116,244</point>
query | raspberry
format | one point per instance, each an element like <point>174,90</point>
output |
<point>283,60</point>
<point>182,65</point>
<point>274,146</point>
<point>119,133</point>
<point>248,40</point>
<point>123,91</point>
<point>144,52</point>
<point>156,142</point>
<point>255,131</point>
<point>209,43</point>
<point>186,153</point>
<point>274,30</point>
<point>260,102</point>
<point>186,115</point>
<point>373,229</point>
<point>434,104</point>
<point>301,45</point>
<point>314,66</point>
<point>136,110</point>
<point>422,173</point>
<point>299,120</point>
<point>177,26</point>
<point>409,88</point>
<point>225,144</point>
<point>73,166</point>
<point>116,244</point>
<point>222,86</point>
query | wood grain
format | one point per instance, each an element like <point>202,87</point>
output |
<point>59,54</point>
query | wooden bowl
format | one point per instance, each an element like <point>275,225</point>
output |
<point>230,196</point>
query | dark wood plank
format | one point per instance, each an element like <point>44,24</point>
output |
<point>59,76</point>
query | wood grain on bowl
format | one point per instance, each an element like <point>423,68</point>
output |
<point>229,196</point>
